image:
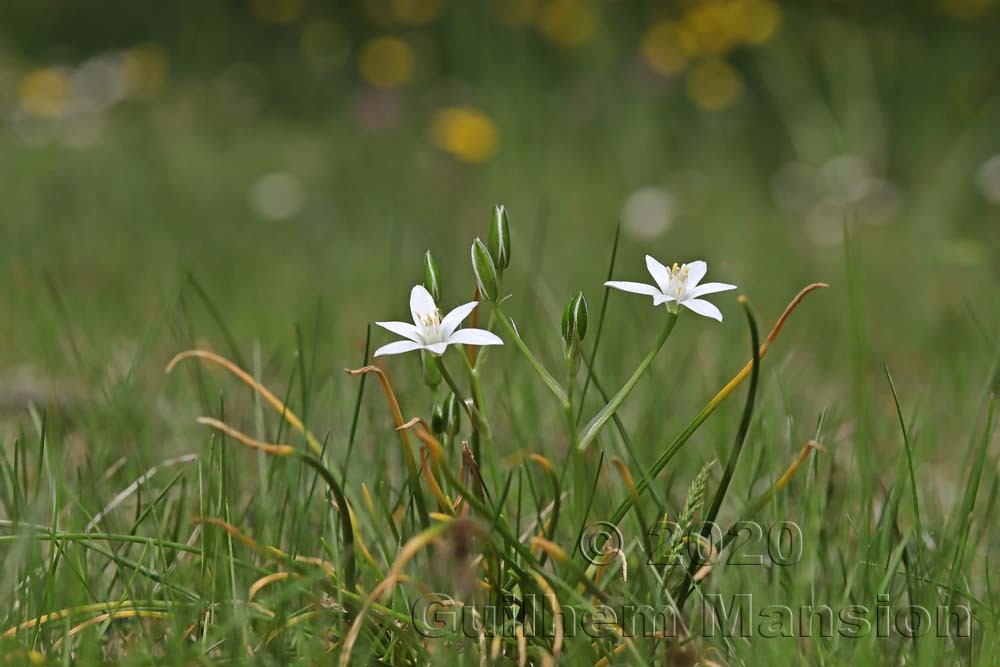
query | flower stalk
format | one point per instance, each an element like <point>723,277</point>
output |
<point>595,425</point>
<point>550,382</point>
<point>479,422</point>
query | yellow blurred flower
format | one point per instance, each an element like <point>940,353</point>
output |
<point>715,26</point>
<point>387,62</point>
<point>24,657</point>
<point>719,26</point>
<point>465,133</point>
<point>276,11</point>
<point>46,92</point>
<point>665,48</point>
<point>514,12</point>
<point>568,23</point>
<point>758,20</point>
<point>713,84</point>
<point>146,68</point>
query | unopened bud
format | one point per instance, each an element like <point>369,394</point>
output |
<point>499,238</point>
<point>485,270</point>
<point>574,320</point>
<point>452,415</point>
<point>438,423</point>
<point>432,278</point>
<point>574,328</point>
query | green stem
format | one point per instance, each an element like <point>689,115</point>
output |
<point>572,427</point>
<point>591,430</point>
<point>476,387</point>
<point>546,377</point>
<point>484,350</point>
<point>477,418</point>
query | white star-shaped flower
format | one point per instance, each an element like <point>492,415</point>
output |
<point>432,332</point>
<point>677,286</point>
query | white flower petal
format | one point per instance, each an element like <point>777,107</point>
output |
<point>404,329</point>
<point>635,288</point>
<point>710,288</point>
<point>661,299</point>
<point>696,271</point>
<point>436,348</point>
<point>421,303</point>
<point>475,337</point>
<point>451,321</point>
<point>703,307</point>
<point>398,347</point>
<point>660,273</point>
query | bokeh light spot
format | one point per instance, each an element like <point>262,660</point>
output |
<point>715,25</point>
<point>648,212</point>
<point>465,133</point>
<point>663,49</point>
<point>568,23</point>
<point>277,196</point>
<point>146,69</point>
<point>387,62</point>
<point>713,84</point>
<point>988,179</point>
<point>758,20</point>
<point>46,92</point>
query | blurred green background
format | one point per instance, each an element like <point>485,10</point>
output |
<point>296,158</point>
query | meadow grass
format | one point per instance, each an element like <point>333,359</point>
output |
<point>746,535</point>
<point>201,516</point>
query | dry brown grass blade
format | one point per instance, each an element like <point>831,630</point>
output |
<point>775,330</point>
<point>442,500</point>
<point>548,527</point>
<point>471,471</point>
<point>383,379</point>
<point>557,618</point>
<point>434,446</point>
<point>117,606</point>
<point>243,538</point>
<point>554,551</point>
<point>247,379</point>
<point>786,477</point>
<point>406,554</point>
<point>264,581</point>
<point>125,613</point>
<point>627,478</point>
<point>401,429</point>
<point>242,438</point>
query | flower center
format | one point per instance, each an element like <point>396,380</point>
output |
<point>678,280</point>
<point>430,325</point>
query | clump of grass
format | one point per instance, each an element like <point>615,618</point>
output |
<point>411,538</point>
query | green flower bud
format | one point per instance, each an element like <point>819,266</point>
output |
<point>438,423</point>
<point>574,320</point>
<point>432,278</point>
<point>478,422</point>
<point>432,375</point>
<point>574,328</point>
<point>452,415</point>
<point>499,238</point>
<point>485,270</point>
